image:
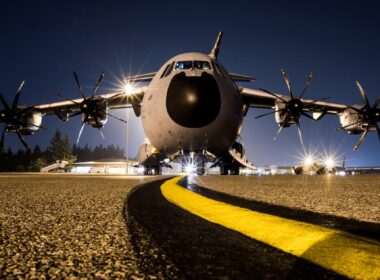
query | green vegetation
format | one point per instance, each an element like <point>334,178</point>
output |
<point>59,149</point>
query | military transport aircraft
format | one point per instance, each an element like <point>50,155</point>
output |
<point>192,112</point>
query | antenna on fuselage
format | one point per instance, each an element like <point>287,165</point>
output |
<point>215,50</point>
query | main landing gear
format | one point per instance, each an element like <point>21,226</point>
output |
<point>229,169</point>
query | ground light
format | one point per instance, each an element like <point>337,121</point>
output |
<point>329,162</point>
<point>308,160</point>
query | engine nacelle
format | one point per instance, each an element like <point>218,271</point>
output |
<point>94,112</point>
<point>282,118</point>
<point>97,121</point>
<point>30,122</point>
<point>352,121</point>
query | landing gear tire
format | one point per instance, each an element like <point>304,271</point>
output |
<point>152,170</point>
<point>223,170</point>
<point>229,169</point>
<point>200,168</point>
<point>235,170</point>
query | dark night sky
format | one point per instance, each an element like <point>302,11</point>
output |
<point>42,42</point>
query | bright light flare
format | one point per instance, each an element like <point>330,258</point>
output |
<point>141,170</point>
<point>128,88</point>
<point>329,162</point>
<point>308,160</point>
<point>190,168</point>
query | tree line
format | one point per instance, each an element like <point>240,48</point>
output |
<point>59,149</point>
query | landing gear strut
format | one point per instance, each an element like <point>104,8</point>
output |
<point>232,169</point>
<point>152,170</point>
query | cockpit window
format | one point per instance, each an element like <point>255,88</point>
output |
<point>184,65</point>
<point>192,65</point>
<point>164,72</point>
<point>202,65</point>
<point>170,69</point>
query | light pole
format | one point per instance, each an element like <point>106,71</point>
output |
<point>127,141</point>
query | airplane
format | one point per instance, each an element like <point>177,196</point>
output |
<point>192,111</point>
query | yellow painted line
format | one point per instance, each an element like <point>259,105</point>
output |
<point>346,254</point>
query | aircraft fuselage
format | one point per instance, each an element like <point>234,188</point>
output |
<point>192,104</point>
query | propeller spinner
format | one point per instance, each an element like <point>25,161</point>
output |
<point>294,107</point>
<point>370,116</point>
<point>15,119</point>
<point>93,108</point>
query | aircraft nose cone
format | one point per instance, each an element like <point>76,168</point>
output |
<point>193,101</point>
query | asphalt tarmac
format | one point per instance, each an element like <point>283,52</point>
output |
<point>65,226</point>
<point>192,248</point>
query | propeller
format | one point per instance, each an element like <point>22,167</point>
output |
<point>294,107</point>
<point>371,116</point>
<point>93,107</point>
<point>13,117</point>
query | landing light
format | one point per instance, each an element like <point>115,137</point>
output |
<point>190,168</point>
<point>308,160</point>
<point>128,88</point>
<point>329,162</point>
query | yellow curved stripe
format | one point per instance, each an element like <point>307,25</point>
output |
<point>346,254</point>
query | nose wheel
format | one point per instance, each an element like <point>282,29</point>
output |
<point>152,170</point>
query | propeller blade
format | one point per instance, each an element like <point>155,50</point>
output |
<point>78,84</point>
<point>267,91</point>
<point>378,130</point>
<point>5,104</point>
<point>67,99</point>
<point>360,140</point>
<point>351,124</point>
<point>278,132</point>
<point>266,114</point>
<point>364,96</point>
<point>300,133</point>
<point>112,116</point>
<point>377,102</point>
<point>75,114</point>
<point>286,78</point>
<point>22,140</point>
<point>307,85</point>
<point>101,133</point>
<point>17,97</point>
<point>307,115</point>
<point>2,141</point>
<point>80,132</point>
<point>97,84</point>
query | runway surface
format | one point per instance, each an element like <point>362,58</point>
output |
<point>95,226</point>
<point>182,245</point>
<point>66,226</point>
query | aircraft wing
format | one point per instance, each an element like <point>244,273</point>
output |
<point>141,78</point>
<point>114,100</point>
<point>260,98</point>
<point>241,78</point>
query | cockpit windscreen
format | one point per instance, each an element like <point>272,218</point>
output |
<point>192,65</point>
<point>202,65</point>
